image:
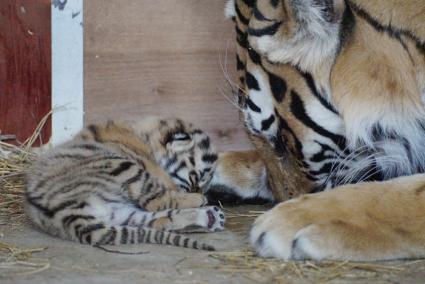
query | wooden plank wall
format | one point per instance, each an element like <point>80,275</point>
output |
<point>161,57</point>
<point>25,67</point>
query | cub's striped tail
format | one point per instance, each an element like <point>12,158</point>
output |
<point>101,234</point>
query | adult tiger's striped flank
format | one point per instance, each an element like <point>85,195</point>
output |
<point>332,93</point>
<point>126,183</point>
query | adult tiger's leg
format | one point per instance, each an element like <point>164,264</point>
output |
<point>360,222</point>
<point>239,178</point>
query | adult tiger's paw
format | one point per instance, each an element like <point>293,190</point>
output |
<point>363,222</point>
<point>318,227</point>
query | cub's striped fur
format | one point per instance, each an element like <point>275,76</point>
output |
<point>124,184</point>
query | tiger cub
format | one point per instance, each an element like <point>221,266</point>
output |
<point>124,184</point>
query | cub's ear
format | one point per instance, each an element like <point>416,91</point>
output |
<point>178,142</point>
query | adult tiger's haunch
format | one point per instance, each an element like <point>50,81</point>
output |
<point>332,93</point>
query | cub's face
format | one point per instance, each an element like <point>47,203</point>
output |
<point>181,150</point>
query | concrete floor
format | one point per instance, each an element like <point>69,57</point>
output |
<point>74,263</point>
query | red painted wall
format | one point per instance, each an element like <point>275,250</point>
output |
<point>25,66</point>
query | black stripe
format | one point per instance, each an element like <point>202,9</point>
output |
<point>179,167</point>
<point>239,64</point>
<point>348,24</point>
<point>278,87</point>
<point>62,206</point>
<point>40,207</point>
<point>320,156</point>
<point>254,56</point>
<point>131,180</point>
<point>93,129</point>
<point>274,3</point>
<point>265,124</point>
<point>69,219</point>
<point>252,106</point>
<point>176,240</point>
<point>241,17</point>
<point>132,236</point>
<point>185,184</point>
<point>148,237</point>
<point>241,38</point>
<point>140,235</point>
<point>269,30</point>
<point>259,16</point>
<point>124,235</point>
<point>171,162</point>
<point>113,237</point>
<point>167,241</point>
<point>249,3</point>
<point>280,145</point>
<point>69,156</point>
<point>312,86</point>
<point>251,82</point>
<point>106,238</point>
<point>88,230</point>
<point>209,158</point>
<point>156,237</point>
<point>89,147</point>
<point>153,197</point>
<point>390,30</point>
<point>73,186</point>
<point>298,109</point>
<point>127,221</point>
<point>121,168</point>
<point>204,144</point>
<point>161,237</point>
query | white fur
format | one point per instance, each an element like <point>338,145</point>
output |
<point>264,100</point>
<point>309,48</point>
<point>230,10</point>
<point>273,245</point>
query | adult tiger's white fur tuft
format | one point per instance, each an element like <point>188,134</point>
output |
<point>315,42</point>
<point>230,10</point>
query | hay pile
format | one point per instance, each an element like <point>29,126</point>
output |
<point>14,162</point>
<point>261,270</point>
<point>15,260</point>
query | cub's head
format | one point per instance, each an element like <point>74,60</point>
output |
<point>183,151</point>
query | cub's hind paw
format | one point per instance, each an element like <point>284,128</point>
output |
<point>216,219</point>
<point>204,219</point>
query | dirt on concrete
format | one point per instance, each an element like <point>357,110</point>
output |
<point>66,262</point>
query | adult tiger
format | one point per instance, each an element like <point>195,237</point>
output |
<point>333,94</point>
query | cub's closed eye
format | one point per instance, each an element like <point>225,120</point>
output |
<point>181,136</point>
